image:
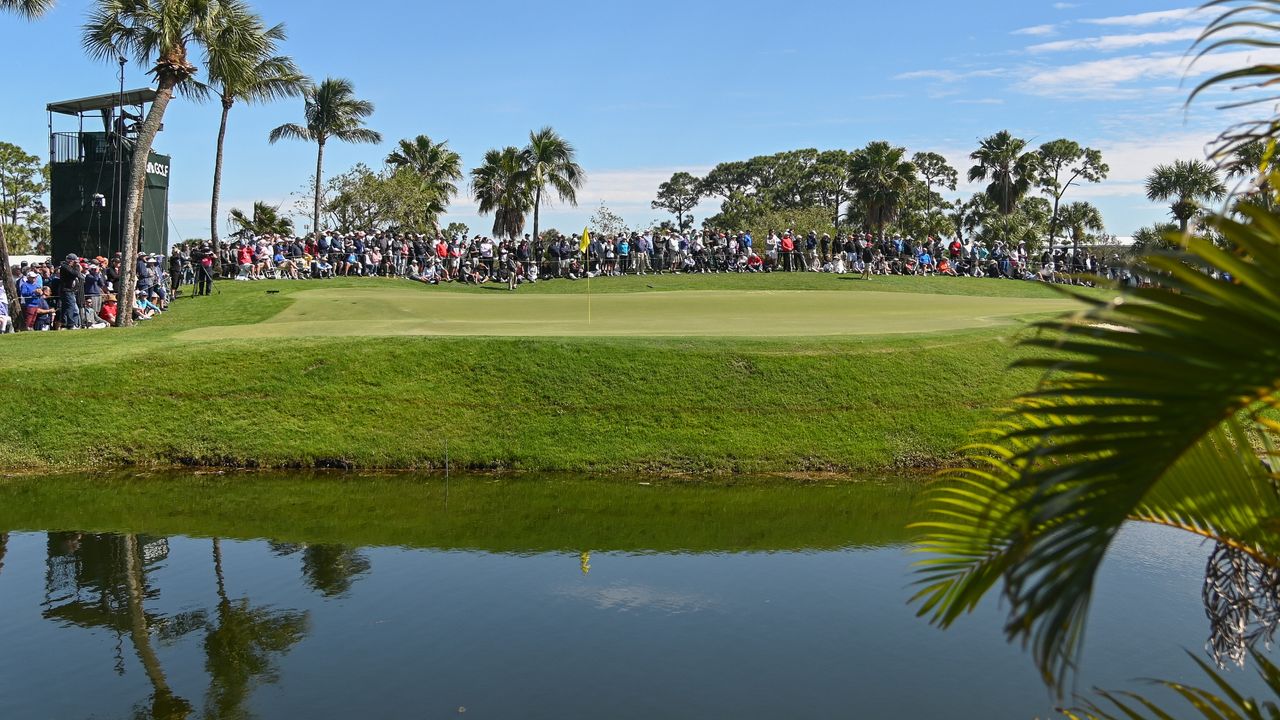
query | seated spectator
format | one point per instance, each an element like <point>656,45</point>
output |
<point>38,313</point>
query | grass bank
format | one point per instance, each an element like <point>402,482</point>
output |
<point>152,397</point>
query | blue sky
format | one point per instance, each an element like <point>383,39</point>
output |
<point>646,89</point>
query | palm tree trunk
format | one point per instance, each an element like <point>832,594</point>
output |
<point>537,201</point>
<point>133,206</point>
<point>10,287</point>
<point>140,634</point>
<point>217,177</point>
<point>217,570</point>
<point>315,213</point>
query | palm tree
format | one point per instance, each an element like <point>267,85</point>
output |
<point>266,220</point>
<point>1079,219</point>
<point>1188,183</point>
<point>439,168</point>
<point>549,161</point>
<point>881,177</point>
<point>29,9</point>
<point>155,33</point>
<point>332,111</point>
<point>1003,161</point>
<point>501,186</point>
<point>245,76</point>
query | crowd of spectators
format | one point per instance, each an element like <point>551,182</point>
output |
<point>513,261</point>
<point>80,293</point>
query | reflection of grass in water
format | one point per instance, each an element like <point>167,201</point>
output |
<point>539,514</point>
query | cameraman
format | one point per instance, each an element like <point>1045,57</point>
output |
<point>202,262</point>
<point>70,285</point>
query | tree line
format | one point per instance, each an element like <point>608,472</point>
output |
<point>881,188</point>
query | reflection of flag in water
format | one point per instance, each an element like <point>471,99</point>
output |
<point>584,561</point>
<point>586,240</point>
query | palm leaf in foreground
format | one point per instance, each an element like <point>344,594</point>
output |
<point>1222,703</point>
<point>1148,412</point>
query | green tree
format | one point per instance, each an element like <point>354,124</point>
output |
<point>332,112</point>
<point>1002,161</point>
<point>501,186</point>
<point>22,182</point>
<point>457,229</point>
<point>408,202</point>
<point>831,182</point>
<point>439,169</point>
<point>156,34</point>
<point>252,74</point>
<point>1079,219</point>
<point>265,220</point>
<point>936,172</point>
<point>727,180</point>
<point>549,161</point>
<point>881,178</point>
<point>679,196</point>
<point>1188,183</point>
<point>1063,163</point>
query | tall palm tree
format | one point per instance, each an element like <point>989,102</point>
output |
<point>881,177</point>
<point>266,220</point>
<point>332,112</point>
<point>246,77</point>
<point>549,161</point>
<point>1187,183</point>
<point>29,9</point>
<point>155,33</point>
<point>1079,219</point>
<point>1011,171</point>
<point>501,186</point>
<point>439,168</point>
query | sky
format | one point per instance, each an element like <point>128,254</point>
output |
<point>644,90</point>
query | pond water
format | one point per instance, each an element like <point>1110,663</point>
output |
<point>324,597</point>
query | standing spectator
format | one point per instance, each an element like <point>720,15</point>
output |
<point>70,285</point>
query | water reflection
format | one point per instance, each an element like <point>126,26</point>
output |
<point>100,582</point>
<point>371,599</point>
<point>241,644</point>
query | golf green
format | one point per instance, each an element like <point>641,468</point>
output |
<point>779,313</point>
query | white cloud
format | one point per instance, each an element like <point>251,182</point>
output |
<point>949,75</point>
<point>1180,15</point>
<point>1037,30</point>
<point>1065,5</point>
<point>1115,78</point>
<point>1109,43</point>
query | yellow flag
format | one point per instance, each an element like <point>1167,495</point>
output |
<point>586,241</point>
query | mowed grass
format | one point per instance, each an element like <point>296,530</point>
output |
<point>162,394</point>
<point>684,313</point>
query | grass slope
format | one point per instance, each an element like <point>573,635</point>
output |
<point>158,396</point>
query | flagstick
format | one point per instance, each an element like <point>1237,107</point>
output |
<point>588,294</point>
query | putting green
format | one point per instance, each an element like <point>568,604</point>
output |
<point>418,311</point>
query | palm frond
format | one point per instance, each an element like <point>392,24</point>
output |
<point>1137,419</point>
<point>1221,702</point>
<point>29,9</point>
<point>291,131</point>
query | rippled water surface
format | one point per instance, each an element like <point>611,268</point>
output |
<point>540,598</point>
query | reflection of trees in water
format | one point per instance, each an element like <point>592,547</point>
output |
<point>331,569</point>
<point>100,581</point>
<point>240,644</point>
<point>4,546</point>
